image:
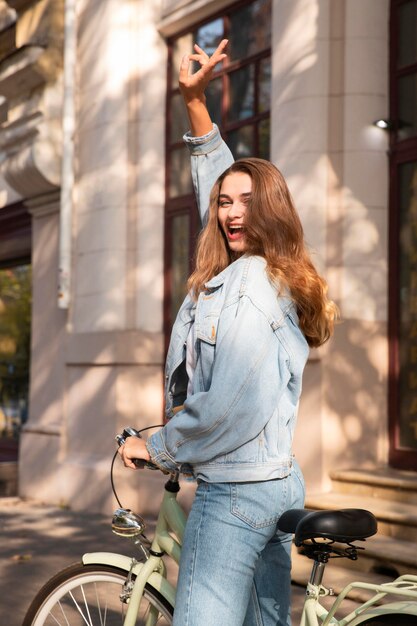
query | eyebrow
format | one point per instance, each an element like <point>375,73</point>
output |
<point>242,195</point>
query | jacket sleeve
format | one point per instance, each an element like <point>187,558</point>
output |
<point>210,157</point>
<point>235,409</point>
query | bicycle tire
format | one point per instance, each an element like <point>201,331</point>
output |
<point>90,594</point>
<point>391,619</point>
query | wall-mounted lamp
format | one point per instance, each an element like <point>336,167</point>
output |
<point>385,124</point>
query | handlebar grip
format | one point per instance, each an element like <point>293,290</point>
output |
<point>141,464</point>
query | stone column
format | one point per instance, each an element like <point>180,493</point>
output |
<point>299,123</point>
<point>115,342</point>
<point>40,442</point>
<point>355,426</point>
<point>330,72</point>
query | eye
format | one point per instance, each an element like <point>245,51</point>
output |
<point>224,203</point>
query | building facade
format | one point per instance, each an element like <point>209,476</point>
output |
<point>95,189</point>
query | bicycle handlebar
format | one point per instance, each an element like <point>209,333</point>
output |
<point>132,432</point>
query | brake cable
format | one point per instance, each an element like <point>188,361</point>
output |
<point>114,458</point>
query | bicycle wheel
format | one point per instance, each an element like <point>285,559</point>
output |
<point>90,594</point>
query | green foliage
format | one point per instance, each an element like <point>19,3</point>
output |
<point>15,314</point>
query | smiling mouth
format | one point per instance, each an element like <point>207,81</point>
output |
<point>235,233</point>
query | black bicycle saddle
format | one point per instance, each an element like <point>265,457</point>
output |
<point>343,525</point>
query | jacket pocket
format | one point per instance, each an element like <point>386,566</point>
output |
<point>207,329</point>
<point>206,335</point>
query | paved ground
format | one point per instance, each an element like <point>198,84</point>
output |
<point>37,540</point>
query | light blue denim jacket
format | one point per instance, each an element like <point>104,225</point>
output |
<point>238,424</point>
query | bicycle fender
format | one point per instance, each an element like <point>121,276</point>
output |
<point>404,607</point>
<point>124,563</point>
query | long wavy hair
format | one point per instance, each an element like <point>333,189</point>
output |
<point>273,231</point>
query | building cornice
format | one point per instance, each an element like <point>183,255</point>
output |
<point>31,97</point>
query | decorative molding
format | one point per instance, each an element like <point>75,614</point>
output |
<point>23,130</point>
<point>179,15</point>
<point>45,204</point>
<point>21,172</point>
<point>23,71</point>
<point>50,429</point>
<point>31,96</point>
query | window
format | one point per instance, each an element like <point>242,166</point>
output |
<point>238,99</point>
<point>406,70</point>
<point>403,235</point>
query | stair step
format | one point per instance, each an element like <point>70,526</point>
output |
<point>383,482</point>
<point>389,551</point>
<point>395,519</point>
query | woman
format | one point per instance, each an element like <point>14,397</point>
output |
<point>233,379</point>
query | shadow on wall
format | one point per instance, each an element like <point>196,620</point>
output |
<point>120,190</point>
<point>334,161</point>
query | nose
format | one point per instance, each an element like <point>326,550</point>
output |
<point>236,210</point>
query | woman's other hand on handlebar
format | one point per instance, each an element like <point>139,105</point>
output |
<point>133,448</point>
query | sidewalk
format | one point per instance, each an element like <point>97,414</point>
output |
<point>38,540</point>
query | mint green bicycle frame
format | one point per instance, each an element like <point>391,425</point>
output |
<point>168,538</point>
<point>314,614</point>
<point>171,521</point>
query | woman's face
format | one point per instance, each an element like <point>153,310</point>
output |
<point>233,199</point>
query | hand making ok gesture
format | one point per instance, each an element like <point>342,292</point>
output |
<point>193,86</point>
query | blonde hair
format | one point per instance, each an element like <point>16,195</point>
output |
<point>273,231</point>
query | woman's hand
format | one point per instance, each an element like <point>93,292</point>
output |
<point>193,86</point>
<point>133,448</point>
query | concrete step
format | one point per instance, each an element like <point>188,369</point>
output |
<point>393,549</point>
<point>387,553</point>
<point>383,482</point>
<point>395,519</point>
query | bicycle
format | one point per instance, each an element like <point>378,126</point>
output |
<point>108,589</point>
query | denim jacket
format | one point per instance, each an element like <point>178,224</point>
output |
<point>238,424</point>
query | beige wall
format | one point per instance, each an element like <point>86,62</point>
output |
<point>98,366</point>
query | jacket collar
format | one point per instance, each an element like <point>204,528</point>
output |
<point>219,279</point>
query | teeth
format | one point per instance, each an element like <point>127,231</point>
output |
<point>235,227</point>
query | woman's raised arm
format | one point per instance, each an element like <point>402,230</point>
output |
<point>193,86</point>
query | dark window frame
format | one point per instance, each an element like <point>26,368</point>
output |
<point>15,225</point>
<point>186,204</point>
<point>401,151</point>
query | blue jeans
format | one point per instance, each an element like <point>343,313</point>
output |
<point>235,565</point>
